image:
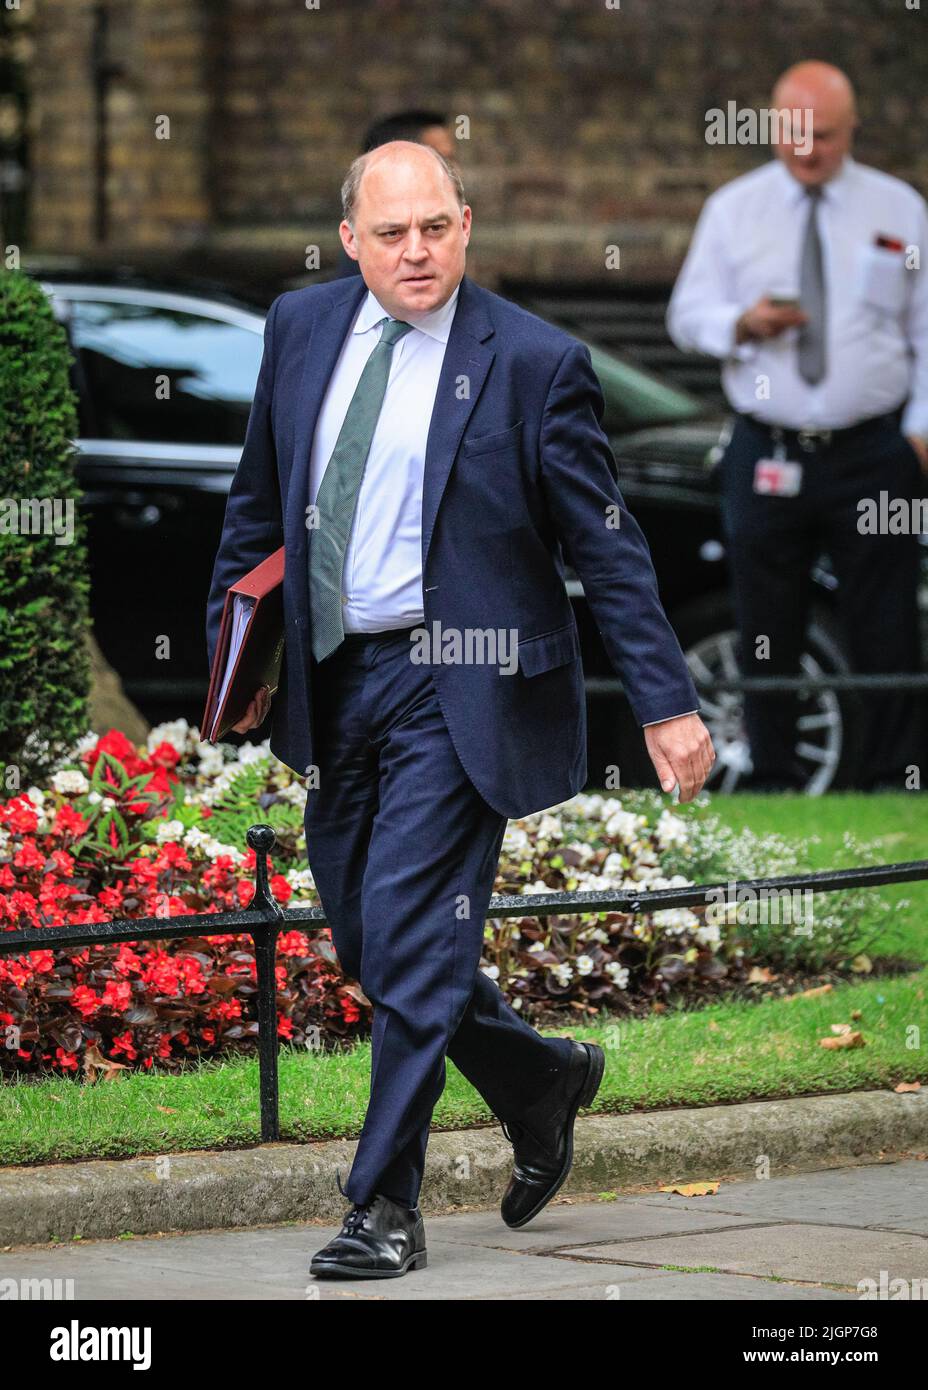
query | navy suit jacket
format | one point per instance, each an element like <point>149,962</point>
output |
<point>516,463</point>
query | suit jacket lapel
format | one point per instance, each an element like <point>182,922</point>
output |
<point>463,372</point>
<point>327,331</point>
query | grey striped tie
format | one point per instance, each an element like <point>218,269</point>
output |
<point>338,493</point>
<point>811,340</point>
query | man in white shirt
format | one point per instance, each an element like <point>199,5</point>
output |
<point>803,278</point>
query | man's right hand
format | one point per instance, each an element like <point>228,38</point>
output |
<point>767,320</point>
<point>256,712</point>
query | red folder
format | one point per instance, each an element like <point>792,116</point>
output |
<point>249,648</point>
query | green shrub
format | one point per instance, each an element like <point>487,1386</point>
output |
<point>44,665</point>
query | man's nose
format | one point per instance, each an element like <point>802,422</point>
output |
<point>415,246</point>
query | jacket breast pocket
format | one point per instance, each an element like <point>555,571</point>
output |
<point>549,650</point>
<point>496,442</point>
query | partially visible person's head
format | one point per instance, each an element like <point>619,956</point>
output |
<point>423,126</point>
<point>826,92</point>
<point>407,225</point>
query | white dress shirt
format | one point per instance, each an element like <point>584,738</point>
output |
<point>747,244</point>
<point>382,575</point>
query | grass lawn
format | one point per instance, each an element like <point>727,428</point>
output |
<point>898,824</point>
<point>721,1053</point>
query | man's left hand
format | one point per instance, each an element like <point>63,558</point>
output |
<point>681,751</point>
<point>921,448</point>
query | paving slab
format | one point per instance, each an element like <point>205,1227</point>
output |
<point>895,1199</point>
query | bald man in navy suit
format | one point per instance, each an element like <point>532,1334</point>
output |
<point>425,447</point>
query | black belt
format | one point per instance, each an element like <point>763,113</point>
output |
<point>397,632</point>
<point>824,439</point>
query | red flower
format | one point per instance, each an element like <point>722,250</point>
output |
<point>285,1027</point>
<point>85,1001</point>
<point>68,822</point>
<point>280,888</point>
<point>165,755</point>
<point>19,815</point>
<point>117,995</point>
<point>66,1060</point>
<point>122,1045</point>
<point>28,857</point>
<point>350,1011</point>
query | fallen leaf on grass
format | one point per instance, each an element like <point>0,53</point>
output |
<point>862,965</point>
<point>845,1040</point>
<point>165,1110</point>
<point>908,1086</point>
<point>841,1028</point>
<point>808,993</point>
<point>95,1062</point>
<point>761,975</point>
<point>693,1189</point>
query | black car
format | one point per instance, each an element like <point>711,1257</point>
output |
<point>165,375</point>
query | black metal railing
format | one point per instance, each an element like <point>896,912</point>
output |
<point>264,918</point>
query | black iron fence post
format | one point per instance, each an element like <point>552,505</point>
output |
<point>264,933</point>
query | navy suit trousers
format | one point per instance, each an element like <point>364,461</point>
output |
<point>404,850</point>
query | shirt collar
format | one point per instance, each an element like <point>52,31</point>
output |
<point>832,191</point>
<point>436,323</point>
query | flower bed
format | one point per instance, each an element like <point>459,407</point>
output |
<point>122,831</point>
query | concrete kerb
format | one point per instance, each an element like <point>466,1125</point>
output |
<point>274,1183</point>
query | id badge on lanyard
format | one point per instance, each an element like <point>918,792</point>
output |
<point>778,476</point>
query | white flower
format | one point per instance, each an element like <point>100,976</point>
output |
<point>491,972</point>
<point>210,758</point>
<point>622,825</point>
<point>549,828</point>
<point>708,936</point>
<point>71,782</point>
<point>675,920</point>
<point>254,752</point>
<point>671,830</point>
<point>300,880</point>
<point>562,973</point>
<point>108,803</point>
<point>35,795</point>
<point>537,887</point>
<point>618,974</point>
<point>584,965</point>
<point>515,840</point>
<point>93,797</point>
<point>176,732</point>
<point>169,830</point>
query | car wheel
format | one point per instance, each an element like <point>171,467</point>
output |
<point>824,726</point>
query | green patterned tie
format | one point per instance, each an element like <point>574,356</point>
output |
<point>338,493</point>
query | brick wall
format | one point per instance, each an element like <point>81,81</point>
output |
<point>587,124</point>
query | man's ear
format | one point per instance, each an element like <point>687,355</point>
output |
<point>348,241</point>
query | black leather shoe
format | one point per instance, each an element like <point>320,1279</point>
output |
<point>543,1139</point>
<point>378,1240</point>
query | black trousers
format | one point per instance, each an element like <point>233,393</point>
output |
<point>773,543</point>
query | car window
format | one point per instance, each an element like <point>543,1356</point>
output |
<point>164,375</point>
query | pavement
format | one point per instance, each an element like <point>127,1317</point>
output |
<point>807,1236</point>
